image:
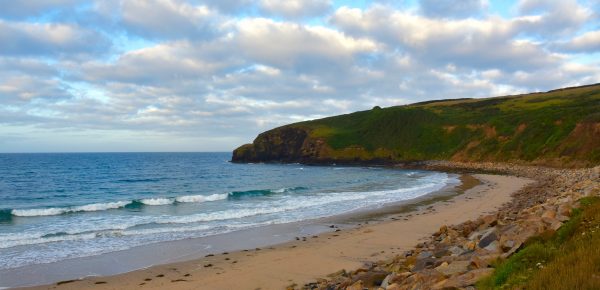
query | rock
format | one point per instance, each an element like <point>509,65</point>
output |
<point>468,279</point>
<point>556,225</point>
<point>338,273</point>
<point>440,251</point>
<point>360,270</point>
<point>549,220</point>
<point>358,285</point>
<point>565,209</point>
<point>393,287</point>
<point>470,245</point>
<point>371,278</point>
<point>513,250</point>
<point>488,238</point>
<point>423,264</point>
<point>456,267</point>
<point>424,254</point>
<point>506,244</point>
<point>443,229</point>
<point>492,247</point>
<point>561,218</point>
<point>386,282</point>
<point>490,220</point>
<point>477,263</point>
<point>456,251</point>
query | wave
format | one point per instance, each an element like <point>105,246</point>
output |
<point>157,201</point>
<point>201,198</point>
<point>239,194</point>
<point>5,215</point>
<point>63,210</point>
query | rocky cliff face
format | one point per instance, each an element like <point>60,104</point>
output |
<point>558,128</point>
<point>285,144</point>
<point>281,144</point>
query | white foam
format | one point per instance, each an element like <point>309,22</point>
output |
<point>39,211</point>
<point>100,206</point>
<point>164,230</point>
<point>296,204</point>
<point>201,198</point>
<point>33,241</point>
<point>157,201</point>
<point>282,190</point>
<point>61,210</point>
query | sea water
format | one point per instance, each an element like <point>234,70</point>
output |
<point>60,206</point>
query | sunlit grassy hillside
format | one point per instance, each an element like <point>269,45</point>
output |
<point>559,127</point>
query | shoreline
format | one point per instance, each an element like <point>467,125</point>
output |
<point>167,252</point>
<point>313,255</point>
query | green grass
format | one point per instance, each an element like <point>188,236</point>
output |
<point>417,131</point>
<point>567,259</point>
<point>533,127</point>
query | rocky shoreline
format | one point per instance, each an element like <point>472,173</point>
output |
<point>457,256</point>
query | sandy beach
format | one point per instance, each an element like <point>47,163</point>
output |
<point>313,257</point>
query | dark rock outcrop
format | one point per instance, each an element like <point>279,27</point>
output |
<point>281,144</point>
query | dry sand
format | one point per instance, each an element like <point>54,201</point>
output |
<point>300,262</point>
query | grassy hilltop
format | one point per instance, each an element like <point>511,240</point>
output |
<point>559,127</point>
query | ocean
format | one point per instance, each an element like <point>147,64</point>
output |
<point>55,207</point>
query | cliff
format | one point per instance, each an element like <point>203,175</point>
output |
<point>556,128</point>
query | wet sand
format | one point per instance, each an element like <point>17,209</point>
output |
<point>375,236</point>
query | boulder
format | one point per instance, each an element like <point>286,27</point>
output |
<point>513,250</point>
<point>456,251</point>
<point>371,278</point>
<point>387,280</point>
<point>492,247</point>
<point>506,244</point>
<point>490,220</point>
<point>565,209</point>
<point>487,238</point>
<point>467,279</point>
<point>470,245</point>
<point>422,264</point>
<point>549,214</point>
<point>456,267</point>
<point>358,285</point>
<point>424,254</point>
<point>477,263</point>
<point>555,225</point>
<point>441,250</point>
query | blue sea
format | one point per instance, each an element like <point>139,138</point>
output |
<point>60,206</point>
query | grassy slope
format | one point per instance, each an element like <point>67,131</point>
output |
<point>526,127</point>
<point>568,259</point>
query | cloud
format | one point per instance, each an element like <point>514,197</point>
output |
<point>166,62</point>
<point>552,18</point>
<point>167,19</point>
<point>284,44</point>
<point>229,6</point>
<point>49,39</point>
<point>194,72</point>
<point>439,41</point>
<point>589,42</point>
<point>296,9</point>
<point>24,9</point>
<point>453,9</point>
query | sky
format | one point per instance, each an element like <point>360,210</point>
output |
<point>177,75</point>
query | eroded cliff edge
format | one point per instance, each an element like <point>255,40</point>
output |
<point>557,128</point>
